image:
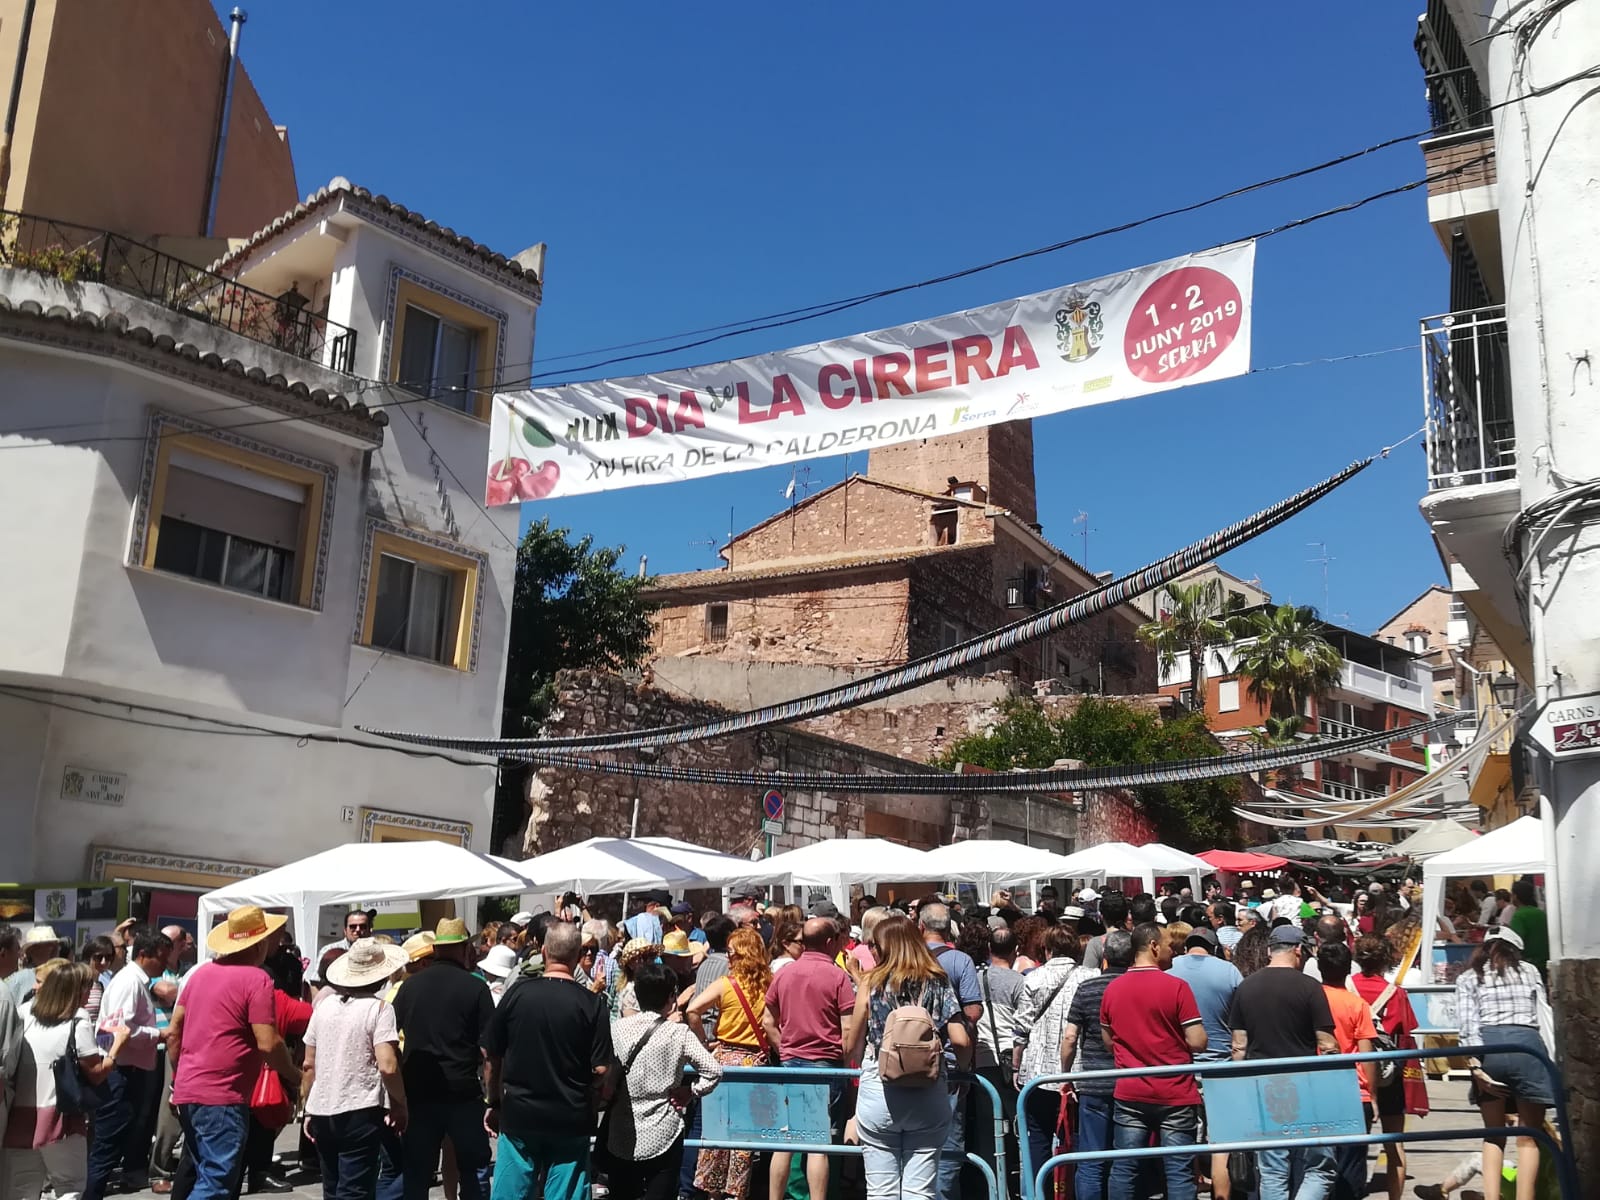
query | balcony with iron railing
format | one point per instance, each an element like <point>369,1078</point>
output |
<point>1456,102</point>
<point>1466,394</point>
<point>79,254</point>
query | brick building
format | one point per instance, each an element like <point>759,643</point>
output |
<point>936,543</point>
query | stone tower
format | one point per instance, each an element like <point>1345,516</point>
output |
<point>999,458</point>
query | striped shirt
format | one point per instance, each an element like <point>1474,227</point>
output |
<point>1509,999</point>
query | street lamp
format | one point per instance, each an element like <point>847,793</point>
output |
<point>1504,689</point>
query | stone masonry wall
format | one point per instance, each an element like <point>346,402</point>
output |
<point>859,516</point>
<point>567,806</point>
<point>999,457</point>
<point>1575,994</point>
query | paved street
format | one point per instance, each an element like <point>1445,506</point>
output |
<point>1429,1163</point>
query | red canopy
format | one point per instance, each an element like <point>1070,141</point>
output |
<point>1236,860</point>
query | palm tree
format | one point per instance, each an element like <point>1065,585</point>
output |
<point>1288,660</point>
<point>1191,625</point>
<point>1276,732</point>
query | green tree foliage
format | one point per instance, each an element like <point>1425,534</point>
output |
<point>1289,660</point>
<point>1193,623</point>
<point>1105,732</point>
<point>571,609</point>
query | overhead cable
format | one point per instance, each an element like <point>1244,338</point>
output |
<point>933,666</point>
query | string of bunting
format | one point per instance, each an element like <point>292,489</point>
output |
<point>1055,779</point>
<point>934,666</point>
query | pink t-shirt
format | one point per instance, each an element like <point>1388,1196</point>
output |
<point>810,1001</point>
<point>219,1062</point>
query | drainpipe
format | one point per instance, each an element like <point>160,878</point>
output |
<point>16,97</point>
<point>214,192</point>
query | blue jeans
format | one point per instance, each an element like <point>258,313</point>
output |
<point>213,1136</point>
<point>954,1155</point>
<point>1296,1173</point>
<point>348,1145</point>
<point>1041,1112</point>
<point>563,1161</point>
<point>902,1130</point>
<point>430,1123</point>
<point>1094,1133</point>
<point>693,1127</point>
<point>391,1166</point>
<point>1134,1125</point>
<point>116,1124</point>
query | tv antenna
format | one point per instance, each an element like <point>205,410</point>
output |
<point>1323,559</point>
<point>713,542</point>
<point>1083,519</point>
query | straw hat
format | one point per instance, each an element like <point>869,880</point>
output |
<point>40,935</point>
<point>451,931</point>
<point>367,962</point>
<point>499,962</point>
<point>418,945</point>
<point>638,948</point>
<point>244,927</point>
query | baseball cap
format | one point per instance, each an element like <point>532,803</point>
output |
<point>1200,936</point>
<point>522,920</point>
<point>683,909</point>
<point>1286,935</point>
<point>1504,933</point>
<point>1089,895</point>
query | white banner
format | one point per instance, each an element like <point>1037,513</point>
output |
<point>1169,325</point>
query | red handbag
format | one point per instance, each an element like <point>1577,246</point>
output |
<point>270,1105</point>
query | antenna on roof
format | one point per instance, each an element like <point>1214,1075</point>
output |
<point>1083,519</point>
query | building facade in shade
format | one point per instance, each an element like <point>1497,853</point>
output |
<point>252,525</point>
<point>878,569</point>
<point>116,119</point>
<point>1380,686</point>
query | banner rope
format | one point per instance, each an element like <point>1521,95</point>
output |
<point>930,667</point>
<point>1055,779</point>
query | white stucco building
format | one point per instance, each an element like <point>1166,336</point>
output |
<point>231,538</point>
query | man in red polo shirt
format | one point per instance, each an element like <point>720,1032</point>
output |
<point>808,1004</point>
<point>1149,1018</point>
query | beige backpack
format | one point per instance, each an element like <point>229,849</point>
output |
<point>910,1051</point>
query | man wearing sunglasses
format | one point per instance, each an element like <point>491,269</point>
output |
<point>357,925</point>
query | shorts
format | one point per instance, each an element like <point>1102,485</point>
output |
<point>1390,1100</point>
<point>1523,1075</point>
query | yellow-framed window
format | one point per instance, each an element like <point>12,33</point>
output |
<point>421,600</point>
<point>443,349</point>
<point>229,516</point>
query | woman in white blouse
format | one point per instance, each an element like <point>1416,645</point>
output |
<point>644,1145</point>
<point>1498,998</point>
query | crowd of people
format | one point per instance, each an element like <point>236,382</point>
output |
<point>557,1054</point>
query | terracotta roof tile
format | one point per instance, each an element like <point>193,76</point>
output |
<point>340,186</point>
<point>716,578</point>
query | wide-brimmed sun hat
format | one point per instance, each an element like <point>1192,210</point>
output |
<point>245,926</point>
<point>499,962</point>
<point>366,963</point>
<point>418,945</point>
<point>451,931</point>
<point>677,944</point>
<point>41,935</point>
<point>639,948</point>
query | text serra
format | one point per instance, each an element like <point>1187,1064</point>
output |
<point>928,368</point>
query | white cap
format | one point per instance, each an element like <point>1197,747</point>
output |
<point>1089,894</point>
<point>522,920</point>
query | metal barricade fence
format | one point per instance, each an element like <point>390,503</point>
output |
<point>1259,1070</point>
<point>785,1110</point>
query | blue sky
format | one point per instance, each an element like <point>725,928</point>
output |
<point>688,170</point>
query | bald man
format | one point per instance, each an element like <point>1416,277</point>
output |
<point>807,1017</point>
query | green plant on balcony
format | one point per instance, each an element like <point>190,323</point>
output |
<point>68,264</point>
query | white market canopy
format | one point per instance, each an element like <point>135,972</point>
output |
<point>992,863</point>
<point>839,862</point>
<point>609,864</point>
<point>365,873</point>
<point>1122,860</point>
<point>1515,849</point>
<point>1435,837</point>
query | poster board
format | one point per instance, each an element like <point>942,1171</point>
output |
<point>77,910</point>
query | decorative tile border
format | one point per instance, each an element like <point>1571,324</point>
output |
<point>459,832</point>
<point>375,526</point>
<point>166,424</point>
<point>396,274</point>
<point>105,857</point>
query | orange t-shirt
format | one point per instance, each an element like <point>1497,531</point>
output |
<point>1352,1021</point>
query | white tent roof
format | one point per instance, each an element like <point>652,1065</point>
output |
<point>1121,860</point>
<point>628,865</point>
<point>847,861</point>
<point>1169,860</point>
<point>992,863</point>
<point>1435,837</point>
<point>365,872</point>
<point>1516,849</point>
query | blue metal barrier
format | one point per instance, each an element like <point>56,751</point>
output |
<point>787,1111</point>
<point>1566,1169</point>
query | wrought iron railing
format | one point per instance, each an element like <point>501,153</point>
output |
<point>1466,392</point>
<point>1348,792</point>
<point>79,254</point>
<point>1455,100</point>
